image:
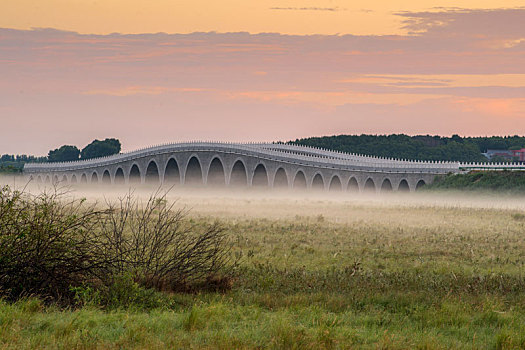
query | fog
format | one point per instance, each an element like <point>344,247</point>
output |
<point>281,204</point>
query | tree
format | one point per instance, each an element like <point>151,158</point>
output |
<point>99,148</point>
<point>64,154</point>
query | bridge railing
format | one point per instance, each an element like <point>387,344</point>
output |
<point>285,153</point>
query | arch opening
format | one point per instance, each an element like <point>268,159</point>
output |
<point>172,173</point>
<point>352,186</point>
<point>48,179</point>
<point>403,186</point>
<point>83,179</point>
<point>260,176</point>
<point>94,177</point>
<point>299,181</point>
<point>55,179</point>
<point>152,174</point>
<point>134,174</point>
<point>193,175</point>
<point>39,179</point>
<point>106,178</point>
<point>335,184</point>
<point>318,183</point>
<point>64,179</point>
<point>370,186</point>
<point>216,176</point>
<point>238,177</point>
<point>386,186</point>
<point>119,177</point>
<point>74,179</point>
<point>280,180</point>
<point>421,183</point>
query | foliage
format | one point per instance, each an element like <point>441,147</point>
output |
<point>421,147</point>
<point>65,153</point>
<point>161,249</point>
<point>99,148</point>
<point>510,181</point>
<point>50,243</point>
<point>14,164</point>
<point>366,276</point>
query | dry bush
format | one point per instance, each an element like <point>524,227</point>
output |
<point>52,244</point>
<point>162,249</point>
<point>46,243</point>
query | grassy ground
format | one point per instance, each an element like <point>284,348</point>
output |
<point>317,273</point>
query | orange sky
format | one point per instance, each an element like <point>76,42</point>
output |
<point>373,17</point>
<point>413,67</point>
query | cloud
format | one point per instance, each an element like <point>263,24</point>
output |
<point>482,23</point>
<point>460,72</point>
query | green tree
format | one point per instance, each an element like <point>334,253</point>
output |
<point>99,148</point>
<point>64,154</point>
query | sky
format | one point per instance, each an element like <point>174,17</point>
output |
<point>149,72</point>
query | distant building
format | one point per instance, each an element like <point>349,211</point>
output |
<point>503,153</point>
<point>519,154</point>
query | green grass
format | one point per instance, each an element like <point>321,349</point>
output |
<point>361,277</point>
<point>501,181</point>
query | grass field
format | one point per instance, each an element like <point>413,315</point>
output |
<point>372,272</point>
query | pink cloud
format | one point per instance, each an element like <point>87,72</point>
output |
<point>61,87</point>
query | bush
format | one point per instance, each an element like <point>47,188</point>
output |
<point>46,245</point>
<point>162,250</point>
<point>51,245</point>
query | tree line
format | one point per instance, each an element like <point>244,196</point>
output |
<point>420,147</point>
<point>15,163</point>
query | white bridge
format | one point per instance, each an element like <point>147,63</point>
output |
<point>253,164</point>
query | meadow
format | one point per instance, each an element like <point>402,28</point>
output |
<point>402,271</point>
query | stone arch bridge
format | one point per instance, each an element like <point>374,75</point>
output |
<point>246,165</point>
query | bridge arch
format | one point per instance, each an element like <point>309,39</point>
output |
<point>172,172</point>
<point>369,186</point>
<point>74,179</point>
<point>216,175</point>
<point>39,179</point>
<point>403,186</point>
<point>134,174</point>
<point>299,181</point>
<point>335,184</point>
<point>317,182</point>
<point>83,178</point>
<point>353,185</point>
<point>94,177</point>
<point>421,183</point>
<point>260,176</point>
<point>106,177</point>
<point>386,186</point>
<point>193,174</point>
<point>64,179</point>
<point>119,176</point>
<point>48,179</point>
<point>152,176</point>
<point>280,180</point>
<point>238,174</point>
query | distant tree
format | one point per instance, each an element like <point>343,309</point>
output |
<point>99,148</point>
<point>64,154</point>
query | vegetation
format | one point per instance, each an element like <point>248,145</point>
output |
<point>99,148</point>
<point>54,247</point>
<point>14,164</point>
<point>421,147</point>
<point>64,154</point>
<point>317,274</point>
<point>496,181</point>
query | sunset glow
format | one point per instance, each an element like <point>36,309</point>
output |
<point>234,70</point>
